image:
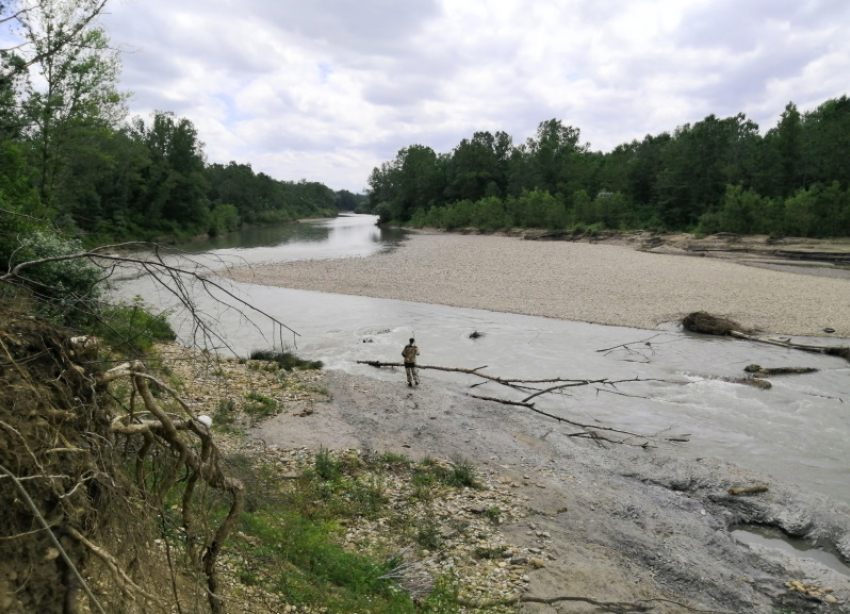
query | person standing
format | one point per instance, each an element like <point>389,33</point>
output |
<point>409,353</point>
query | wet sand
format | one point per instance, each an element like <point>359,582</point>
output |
<point>601,284</point>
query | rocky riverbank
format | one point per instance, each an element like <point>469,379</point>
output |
<point>582,522</point>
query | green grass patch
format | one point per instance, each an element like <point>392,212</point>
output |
<point>459,474</point>
<point>260,406</point>
<point>291,535</point>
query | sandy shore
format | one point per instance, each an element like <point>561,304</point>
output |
<point>602,284</point>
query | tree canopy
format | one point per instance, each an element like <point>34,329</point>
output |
<point>717,174</point>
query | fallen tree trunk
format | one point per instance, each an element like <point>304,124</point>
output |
<point>759,371</point>
<point>840,351</point>
<point>708,324</point>
<point>590,432</point>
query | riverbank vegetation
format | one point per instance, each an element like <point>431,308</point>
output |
<point>718,174</point>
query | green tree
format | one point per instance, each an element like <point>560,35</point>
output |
<point>478,167</point>
<point>700,162</point>
<point>174,186</point>
<point>556,157</point>
<point>77,100</point>
<point>826,149</point>
<point>68,20</point>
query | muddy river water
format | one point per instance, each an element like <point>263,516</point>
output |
<point>798,430</point>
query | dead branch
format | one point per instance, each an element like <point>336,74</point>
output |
<point>626,345</point>
<point>506,402</point>
<point>378,364</point>
<point>840,351</point>
<point>561,383</point>
<point>586,433</point>
<point>175,280</point>
<point>708,324</point>
<point>562,386</point>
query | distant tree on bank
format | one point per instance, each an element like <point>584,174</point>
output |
<point>718,174</point>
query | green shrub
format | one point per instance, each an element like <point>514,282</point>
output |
<point>286,360</point>
<point>67,289</point>
<point>327,467</point>
<point>132,329</point>
<point>261,406</point>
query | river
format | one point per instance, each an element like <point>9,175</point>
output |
<point>796,431</point>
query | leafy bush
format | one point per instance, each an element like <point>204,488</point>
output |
<point>286,360</point>
<point>67,288</point>
<point>223,218</point>
<point>132,329</point>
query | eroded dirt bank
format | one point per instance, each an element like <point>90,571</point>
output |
<point>614,523</point>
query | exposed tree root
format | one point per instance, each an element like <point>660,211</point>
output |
<point>203,465</point>
<point>46,526</point>
<point>128,587</point>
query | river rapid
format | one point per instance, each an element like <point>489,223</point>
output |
<point>670,383</point>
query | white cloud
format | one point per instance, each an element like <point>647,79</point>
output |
<point>327,89</point>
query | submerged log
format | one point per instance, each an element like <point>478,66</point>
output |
<point>759,371</point>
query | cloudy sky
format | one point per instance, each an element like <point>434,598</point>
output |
<point>327,89</point>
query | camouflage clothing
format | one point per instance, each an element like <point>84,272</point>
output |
<point>409,353</point>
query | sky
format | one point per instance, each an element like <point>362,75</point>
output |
<point>326,90</point>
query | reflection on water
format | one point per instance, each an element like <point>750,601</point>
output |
<point>263,236</point>
<point>341,237</point>
<point>796,431</point>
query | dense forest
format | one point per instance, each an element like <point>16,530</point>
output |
<point>711,176</point>
<point>71,159</point>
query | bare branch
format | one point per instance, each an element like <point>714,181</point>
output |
<point>174,279</point>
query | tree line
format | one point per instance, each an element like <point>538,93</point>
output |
<point>70,159</point>
<point>718,174</point>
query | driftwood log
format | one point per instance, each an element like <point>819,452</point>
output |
<point>759,371</point>
<point>708,324</point>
